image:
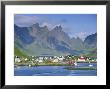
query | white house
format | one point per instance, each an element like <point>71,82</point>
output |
<point>36,60</point>
<point>17,59</point>
<point>41,58</point>
<point>25,59</point>
<point>55,60</point>
<point>40,61</point>
<point>46,58</point>
<point>61,58</point>
<point>55,56</point>
<point>33,59</point>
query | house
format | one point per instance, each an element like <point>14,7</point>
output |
<point>25,59</point>
<point>36,60</point>
<point>17,59</point>
<point>55,57</point>
<point>45,58</point>
<point>55,60</point>
<point>82,59</point>
<point>40,61</point>
<point>61,58</point>
<point>87,58</point>
<point>33,59</point>
<point>41,58</point>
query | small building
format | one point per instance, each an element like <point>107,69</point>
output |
<point>55,60</point>
<point>33,59</point>
<point>17,59</point>
<point>36,60</point>
<point>55,57</point>
<point>46,57</point>
<point>40,61</point>
<point>70,62</point>
<point>41,58</point>
<point>25,59</point>
<point>61,58</point>
<point>82,59</point>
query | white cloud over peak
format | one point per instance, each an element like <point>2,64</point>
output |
<point>50,26</point>
<point>24,21</point>
<point>81,35</point>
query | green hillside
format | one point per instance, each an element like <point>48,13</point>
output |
<point>18,52</point>
<point>31,50</point>
<point>92,53</point>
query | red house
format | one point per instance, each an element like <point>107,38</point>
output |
<point>81,58</point>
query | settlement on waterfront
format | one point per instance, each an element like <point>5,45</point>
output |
<point>52,60</point>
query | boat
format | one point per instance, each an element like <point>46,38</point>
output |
<point>29,65</point>
<point>90,65</point>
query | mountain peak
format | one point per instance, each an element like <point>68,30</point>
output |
<point>59,28</point>
<point>45,27</point>
<point>36,25</point>
<point>91,40</point>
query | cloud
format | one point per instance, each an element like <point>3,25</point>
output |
<point>50,26</point>
<point>25,20</point>
<point>81,35</point>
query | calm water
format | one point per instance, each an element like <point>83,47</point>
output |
<point>54,71</point>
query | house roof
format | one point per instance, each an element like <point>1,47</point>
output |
<point>82,58</point>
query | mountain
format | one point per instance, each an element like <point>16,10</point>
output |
<point>77,43</point>
<point>90,44</point>
<point>57,38</point>
<point>91,41</point>
<point>23,34</point>
<point>37,40</point>
<point>60,35</point>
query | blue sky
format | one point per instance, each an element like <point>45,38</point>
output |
<point>75,25</point>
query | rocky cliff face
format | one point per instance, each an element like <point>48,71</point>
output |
<point>36,40</point>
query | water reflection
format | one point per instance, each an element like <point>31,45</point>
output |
<point>54,71</point>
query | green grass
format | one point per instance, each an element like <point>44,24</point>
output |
<point>37,50</point>
<point>18,52</point>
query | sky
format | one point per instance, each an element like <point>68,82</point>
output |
<point>75,25</point>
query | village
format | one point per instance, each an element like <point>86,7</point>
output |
<point>51,60</point>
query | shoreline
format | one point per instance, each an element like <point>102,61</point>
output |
<point>84,68</point>
<point>54,64</point>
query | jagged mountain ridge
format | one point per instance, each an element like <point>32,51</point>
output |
<point>36,40</point>
<point>91,40</point>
